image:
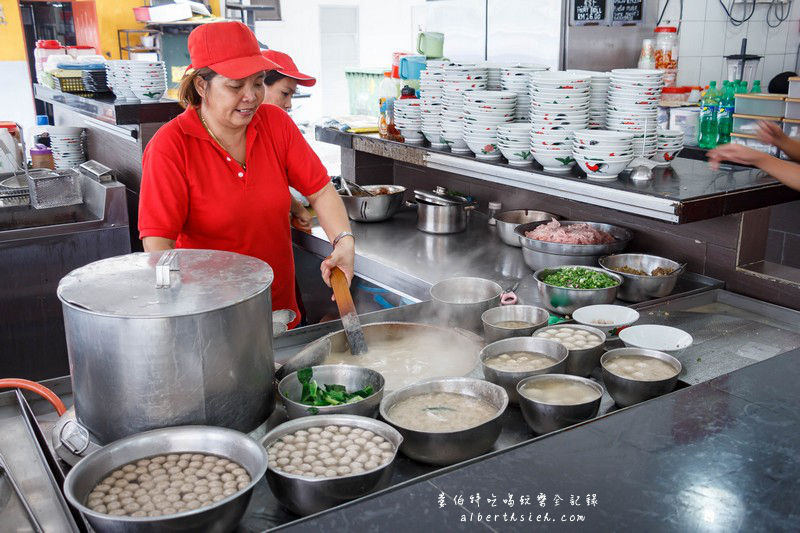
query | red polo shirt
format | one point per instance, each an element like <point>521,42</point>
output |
<point>194,193</point>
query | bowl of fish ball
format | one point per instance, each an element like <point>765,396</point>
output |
<point>506,362</point>
<point>550,402</point>
<point>319,462</point>
<point>184,478</point>
<point>332,389</point>
<point>646,276</point>
<point>447,420</point>
<point>512,321</point>
<point>633,375</point>
<point>585,345</point>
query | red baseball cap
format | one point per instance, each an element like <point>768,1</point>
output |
<point>289,68</point>
<point>229,49</point>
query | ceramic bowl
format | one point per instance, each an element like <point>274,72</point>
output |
<point>665,157</point>
<point>555,162</point>
<point>608,168</point>
<point>606,317</point>
<point>517,156</point>
<point>483,150</point>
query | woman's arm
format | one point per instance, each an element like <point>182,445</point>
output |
<point>157,244</point>
<point>786,172</point>
<point>333,219</point>
<point>301,218</point>
<point>771,133</point>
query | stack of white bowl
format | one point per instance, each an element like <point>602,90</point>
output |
<point>431,81</point>
<point>66,142</point>
<point>514,142</point>
<point>458,78</point>
<point>148,79</point>
<point>598,90</point>
<point>632,106</point>
<point>670,142</point>
<point>408,119</point>
<point>484,111</point>
<point>602,154</point>
<point>117,80</point>
<point>493,75</point>
<point>559,106</point>
<point>516,79</point>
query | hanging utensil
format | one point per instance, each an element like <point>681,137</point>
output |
<point>347,310</point>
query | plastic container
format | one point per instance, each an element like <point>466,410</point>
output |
<point>388,92</point>
<point>687,120</point>
<point>791,127</point>
<point>44,49</point>
<point>735,62</point>
<point>647,58</point>
<point>362,90</point>
<point>675,95</point>
<point>81,50</point>
<point>494,209</point>
<point>42,157</point>
<point>748,124</point>
<point>794,87</point>
<point>751,141</point>
<point>666,53</point>
<point>765,105</point>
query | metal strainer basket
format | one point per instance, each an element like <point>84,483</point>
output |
<point>54,189</point>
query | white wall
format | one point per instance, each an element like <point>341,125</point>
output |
<point>16,96</point>
<point>706,36</point>
<point>384,27</point>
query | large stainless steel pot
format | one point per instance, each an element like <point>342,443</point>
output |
<point>441,213</point>
<point>195,350</point>
<point>387,201</point>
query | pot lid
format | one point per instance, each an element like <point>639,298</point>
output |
<point>439,199</point>
<point>198,281</point>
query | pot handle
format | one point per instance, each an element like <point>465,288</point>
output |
<point>508,298</point>
<point>167,263</point>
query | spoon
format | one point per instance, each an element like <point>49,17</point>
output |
<point>346,188</point>
<point>641,173</point>
<point>359,188</point>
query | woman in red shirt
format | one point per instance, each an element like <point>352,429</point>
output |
<point>218,175</point>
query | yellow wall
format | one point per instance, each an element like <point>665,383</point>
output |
<point>12,43</point>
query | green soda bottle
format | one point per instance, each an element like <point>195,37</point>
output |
<point>707,132</point>
<point>756,87</point>
<point>725,114</point>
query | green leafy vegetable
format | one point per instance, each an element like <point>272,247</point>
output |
<point>579,278</point>
<point>329,394</point>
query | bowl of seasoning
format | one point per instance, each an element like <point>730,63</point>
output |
<point>646,276</point>
<point>184,478</point>
<point>567,288</point>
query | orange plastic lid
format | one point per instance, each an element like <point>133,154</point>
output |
<point>10,126</point>
<point>676,90</point>
<point>667,29</point>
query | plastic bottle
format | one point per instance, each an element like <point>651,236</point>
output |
<point>756,87</point>
<point>387,93</point>
<point>725,114</point>
<point>707,133</point>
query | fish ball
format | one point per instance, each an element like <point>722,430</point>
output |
<point>108,498</point>
<point>338,452</point>
<point>113,505</point>
<point>228,492</point>
<point>283,461</point>
<point>370,465</point>
<point>330,473</point>
<point>368,434</point>
<point>114,490</point>
<point>343,470</point>
<point>345,460</point>
<point>138,514</point>
<point>117,512</point>
<point>100,508</point>
<point>345,429</point>
<point>385,446</point>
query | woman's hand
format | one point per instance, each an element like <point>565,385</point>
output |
<point>736,153</point>
<point>771,133</point>
<point>301,218</point>
<point>343,257</point>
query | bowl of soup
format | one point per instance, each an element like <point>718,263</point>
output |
<point>512,321</point>
<point>446,421</point>
<point>633,375</point>
<point>550,402</point>
<point>508,361</point>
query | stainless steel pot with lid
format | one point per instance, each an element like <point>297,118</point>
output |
<point>441,212</point>
<point>175,338</point>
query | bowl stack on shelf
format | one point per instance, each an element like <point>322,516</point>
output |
<point>598,90</point>
<point>632,106</point>
<point>430,89</point>
<point>484,111</point>
<point>602,154</point>
<point>408,119</point>
<point>493,75</point>
<point>458,78</point>
<point>148,79</point>
<point>514,142</point>
<point>67,145</point>
<point>559,106</point>
<point>670,142</point>
<point>95,81</point>
<point>118,81</point>
<point>516,80</point>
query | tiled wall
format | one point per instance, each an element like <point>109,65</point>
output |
<point>783,240</point>
<point>706,36</point>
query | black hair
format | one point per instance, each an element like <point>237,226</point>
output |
<point>272,77</point>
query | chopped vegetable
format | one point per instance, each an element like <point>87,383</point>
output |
<point>579,278</point>
<point>326,395</point>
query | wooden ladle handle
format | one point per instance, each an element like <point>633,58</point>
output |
<point>344,300</point>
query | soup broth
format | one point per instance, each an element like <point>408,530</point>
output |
<point>439,412</point>
<point>641,368</point>
<point>559,392</point>
<point>513,324</point>
<point>519,361</point>
<point>403,361</point>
